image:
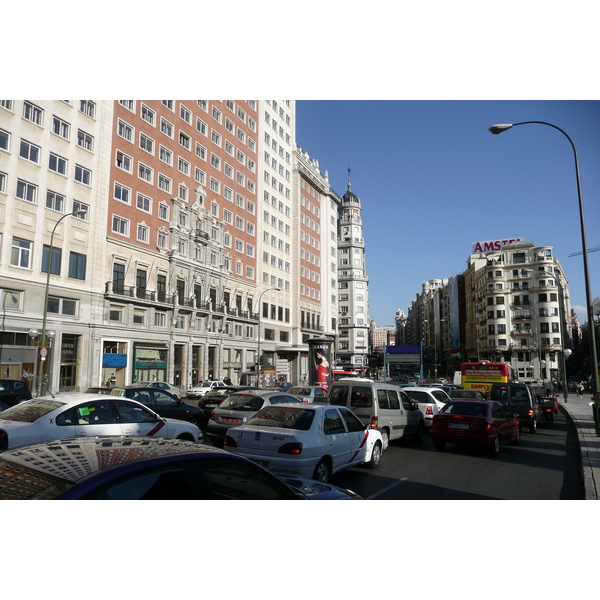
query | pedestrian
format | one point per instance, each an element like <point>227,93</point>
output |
<point>580,389</point>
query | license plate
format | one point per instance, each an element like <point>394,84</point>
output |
<point>458,425</point>
<point>227,420</point>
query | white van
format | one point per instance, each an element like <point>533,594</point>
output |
<point>382,405</point>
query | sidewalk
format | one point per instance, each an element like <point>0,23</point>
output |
<point>580,412</point>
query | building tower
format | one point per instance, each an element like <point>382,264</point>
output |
<point>353,297</point>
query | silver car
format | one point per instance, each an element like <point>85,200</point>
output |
<point>237,408</point>
<point>429,399</point>
<point>309,393</point>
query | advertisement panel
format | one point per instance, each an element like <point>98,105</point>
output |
<point>319,369</point>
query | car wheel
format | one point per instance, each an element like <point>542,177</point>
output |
<point>322,471</point>
<point>496,447</point>
<point>420,433</point>
<point>517,439</point>
<point>439,445</point>
<point>185,436</point>
<point>375,456</point>
<point>385,438</point>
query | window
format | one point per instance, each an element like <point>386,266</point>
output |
<point>55,201</point>
<point>81,206</point>
<point>85,140</point>
<point>123,161</point>
<point>33,113</point>
<point>83,175</point>
<point>26,191</point>
<point>185,113</point>
<point>122,193</point>
<point>125,130</point>
<point>120,225</point>
<point>20,253</point>
<point>57,164</point>
<point>115,313</point>
<point>56,260</point>
<point>143,233</point>
<point>144,203</point>
<point>164,183</point>
<point>60,127</point>
<point>144,172</point>
<point>139,316</point>
<point>184,140</point>
<point>62,306</point>
<point>146,143</point>
<point>4,140</point>
<point>148,115</point>
<point>160,319</point>
<point>166,128</point>
<point>77,265</point>
<point>87,107</point>
<point>30,151</point>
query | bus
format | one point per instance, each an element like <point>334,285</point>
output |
<point>481,375</point>
<point>340,374</point>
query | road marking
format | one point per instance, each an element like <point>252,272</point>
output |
<point>385,489</point>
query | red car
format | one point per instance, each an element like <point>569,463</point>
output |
<point>475,423</point>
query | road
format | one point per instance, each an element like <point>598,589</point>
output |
<point>544,466</point>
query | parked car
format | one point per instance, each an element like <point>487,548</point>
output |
<point>161,385</point>
<point>237,408</point>
<point>284,387</point>
<point>163,403</point>
<point>474,423</point>
<point>82,415</point>
<point>197,391</point>
<point>309,393</point>
<point>382,406</point>
<point>309,440</point>
<point>466,395</point>
<point>13,391</point>
<point>520,399</point>
<point>429,399</point>
<point>133,468</point>
<point>214,397</point>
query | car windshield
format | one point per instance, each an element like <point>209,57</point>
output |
<point>299,391</point>
<point>283,416</point>
<point>242,402</point>
<point>30,410</point>
<point>419,396</point>
<point>474,409</point>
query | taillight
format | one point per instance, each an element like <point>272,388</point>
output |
<point>429,410</point>
<point>212,415</point>
<point>531,412</point>
<point>291,448</point>
<point>229,442</point>
<point>3,440</point>
<point>374,422</point>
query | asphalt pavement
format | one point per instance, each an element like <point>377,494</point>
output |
<point>579,410</point>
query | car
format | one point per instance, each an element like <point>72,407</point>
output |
<point>307,440</point>
<point>429,399</point>
<point>285,386</point>
<point>474,423</point>
<point>309,393</point>
<point>214,397</point>
<point>522,400</point>
<point>197,391</point>
<point>466,394</point>
<point>13,391</point>
<point>134,468</point>
<point>163,403</point>
<point>383,406</point>
<point>79,414</point>
<point>546,395</point>
<point>238,407</point>
<point>99,390</point>
<point>161,385</point>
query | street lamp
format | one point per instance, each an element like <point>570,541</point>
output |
<point>276,289</point>
<point>496,129</point>
<point>43,351</point>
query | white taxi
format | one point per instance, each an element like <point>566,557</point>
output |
<point>306,440</point>
<point>86,415</point>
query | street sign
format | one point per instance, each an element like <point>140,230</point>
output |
<point>43,352</point>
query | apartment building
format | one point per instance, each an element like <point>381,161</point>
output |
<point>53,163</point>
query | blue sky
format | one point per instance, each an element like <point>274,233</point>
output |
<point>433,180</point>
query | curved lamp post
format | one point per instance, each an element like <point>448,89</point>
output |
<point>44,334</point>
<point>276,289</point>
<point>496,129</point>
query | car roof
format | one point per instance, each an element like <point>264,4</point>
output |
<point>72,398</point>
<point>116,451</point>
